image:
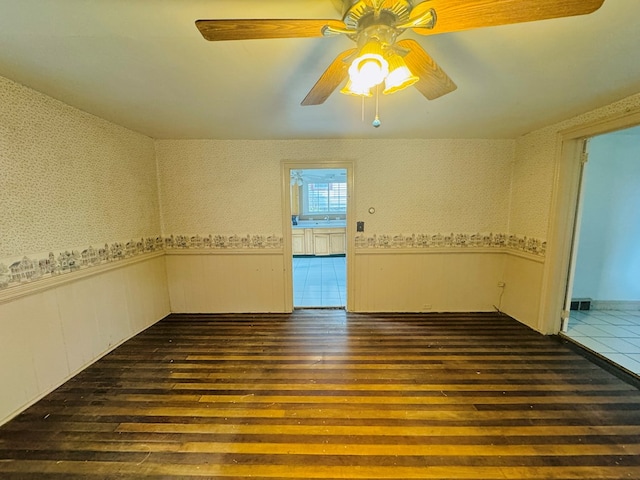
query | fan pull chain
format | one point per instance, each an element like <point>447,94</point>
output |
<point>376,121</point>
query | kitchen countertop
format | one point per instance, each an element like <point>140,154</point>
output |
<point>320,224</point>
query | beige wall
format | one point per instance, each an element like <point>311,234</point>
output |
<point>535,168</point>
<point>214,188</point>
<point>60,326</point>
<point>421,281</point>
<point>69,181</point>
<point>219,187</point>
<point>417,186</point>
<point>537,186</point>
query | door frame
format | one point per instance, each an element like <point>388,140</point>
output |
<point>564,206</point>
<point>575,234</point>
<point>286,167</point>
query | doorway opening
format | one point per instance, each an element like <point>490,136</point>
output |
<point>318,237</point>
<point>602,304</point>
<point>317,234</point>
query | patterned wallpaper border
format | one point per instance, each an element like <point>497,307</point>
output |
<point>29,269</point>
<point>223,241</point>
<point>520,243</point>
<point>32,268</point>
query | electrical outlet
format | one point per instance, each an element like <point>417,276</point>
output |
<point>359,226</point>
<point>426,306</point>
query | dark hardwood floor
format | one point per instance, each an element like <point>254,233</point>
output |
<point>321,394</point>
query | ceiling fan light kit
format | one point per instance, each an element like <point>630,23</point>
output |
<point>378,61</point>
<point>357,90</point>
<point>399,75</point>
<point>370,68</point>
<point>375,26</point>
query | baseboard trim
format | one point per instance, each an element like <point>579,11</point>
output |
<point>615,305</point>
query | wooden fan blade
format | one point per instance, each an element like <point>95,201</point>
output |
<point>456,15</point>
<point>330,79</point>
<point>433,81</point>
<point>247,29</point>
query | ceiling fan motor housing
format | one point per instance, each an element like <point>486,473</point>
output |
<point>360,14</point>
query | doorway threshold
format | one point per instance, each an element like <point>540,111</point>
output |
<point>322,307</point>
<point>601,360</point>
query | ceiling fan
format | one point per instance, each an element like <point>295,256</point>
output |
<point>375,26</point>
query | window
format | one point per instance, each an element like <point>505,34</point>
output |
<point>324,198</point>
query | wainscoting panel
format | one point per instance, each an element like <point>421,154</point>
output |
<point>61,327</point>
<point>523,279</point>
<point>412,280</point>
<point>233,281</point>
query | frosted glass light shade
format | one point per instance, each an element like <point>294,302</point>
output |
<point>356,89</point>
<point>374,65</point>
<point>399,76</point>
<point>370,68</point>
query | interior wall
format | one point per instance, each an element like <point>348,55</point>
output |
<point>434,280</point>
<point>69,179</point>
<point>536,186</point>
<point>81,267</point>
<point>215,194</point>
<point>608,259</point>
<point>417,186</point>
<point>59,328</point>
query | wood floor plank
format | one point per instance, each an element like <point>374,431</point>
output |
<point>467,415</point>
<point>456,433</point>
<point>410,450</point>
<point>343,448</point>
<point>530,399</point>
<point>568,400</point>
<point>327,395</point>
<point>456,472</point>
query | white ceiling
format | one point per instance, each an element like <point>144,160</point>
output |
<point>143,64</point>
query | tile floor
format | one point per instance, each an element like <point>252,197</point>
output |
<point>614,334</point>
<point>319,282</point>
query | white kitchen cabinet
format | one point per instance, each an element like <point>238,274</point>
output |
<point>318,241</point>
<point>298,243</point>
<point>321,245</point>
<point>308,241</point>
<point>337,243</point>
